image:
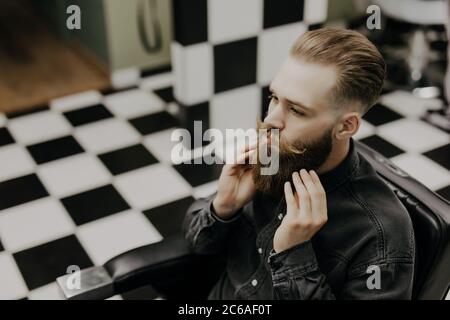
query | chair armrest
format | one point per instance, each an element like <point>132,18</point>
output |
<point>130,270</point>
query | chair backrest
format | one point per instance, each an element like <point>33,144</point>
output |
<point>430,215</point>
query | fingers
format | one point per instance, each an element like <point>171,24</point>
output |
<point>291,202</point>
<point>310,194</point>
<point>303,195</point>
<point>316,194</point>
<point>241,159</point>
<point>244,153</point>
<point>248,147</point>
<point>316,181</point>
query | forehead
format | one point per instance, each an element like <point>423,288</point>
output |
<point>305,82</point>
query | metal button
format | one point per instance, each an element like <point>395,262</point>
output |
<point>280,216</point>
<point>260,250</point>
<point>254,282</point>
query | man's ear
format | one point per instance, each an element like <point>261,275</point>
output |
<point>348,125</point>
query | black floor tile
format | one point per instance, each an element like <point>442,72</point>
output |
<point>127,159</point>
<point>5,137</point>
<point>380,114</point>
<point>112,90</point>
<point>20,190</point>
<point>94,204</point>
<point>444,192</point>
<point>282,12</point>
<point>17,114</point>
<point>198,174</point>
<point>41,265</point>
<point>235,64</point>
<point>166,94</point>
<point>440,155</point>
<point>155,71</point>
<point>168,218</point>
<point>154,122</point>
<point>86,115</point>
<point>382,146</point>
<point>54,149</point>
<point>188,115</point>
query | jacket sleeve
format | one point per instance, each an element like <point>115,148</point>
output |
<point>205,231</point>
<point>296,275</point>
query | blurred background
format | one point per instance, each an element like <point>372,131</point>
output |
<point>87,112</point>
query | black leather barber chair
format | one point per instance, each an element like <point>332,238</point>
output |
<point>174,271</point>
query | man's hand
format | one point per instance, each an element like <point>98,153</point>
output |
<point>306,211</point>
<point>236,186</point>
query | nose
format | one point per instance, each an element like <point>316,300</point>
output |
<point>275,117</point>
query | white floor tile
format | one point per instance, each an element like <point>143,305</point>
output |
<point>424,170</point>
<point>39,127</point>
<point>73,175</point>
<point>76,101</point>
<point>48,292</point>
<point>15,161</point>
<point>34,223</point>
<point>152,186</point>
<point>106,135</point>
<point>133,103</point>
<point>124,78</point>
<point>246,17</point>
<point>173,108</point>
<point>160,145</point>
<point>157,81</point>
<point>110,236</point>
<point>407,104</point>
<point>12,284</point>
<point>365,130</point>
<point>413,135</point>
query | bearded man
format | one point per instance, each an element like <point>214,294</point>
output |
<point>325,226</point>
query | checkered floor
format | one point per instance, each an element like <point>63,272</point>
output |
<point>89,176</point>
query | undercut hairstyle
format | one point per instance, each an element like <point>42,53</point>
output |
<point>360,66</point>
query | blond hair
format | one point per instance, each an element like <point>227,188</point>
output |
<point>361,67</point>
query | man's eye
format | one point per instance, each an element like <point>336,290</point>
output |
<point>296,111</point>
<point>272,96</point>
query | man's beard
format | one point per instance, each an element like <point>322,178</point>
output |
<point>292,157</point>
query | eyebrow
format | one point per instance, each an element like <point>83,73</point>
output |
<point>299,104</point>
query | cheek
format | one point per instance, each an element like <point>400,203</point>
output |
<point>303,130</point>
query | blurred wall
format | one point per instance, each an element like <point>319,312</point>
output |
<point>344,9</point>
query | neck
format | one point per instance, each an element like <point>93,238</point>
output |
<point>338,153</point>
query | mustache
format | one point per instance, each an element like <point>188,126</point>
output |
<point>283,145</point>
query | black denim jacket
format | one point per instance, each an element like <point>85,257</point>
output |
<point>364,251</point>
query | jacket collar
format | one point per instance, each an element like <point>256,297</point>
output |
<point>344,170</point>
